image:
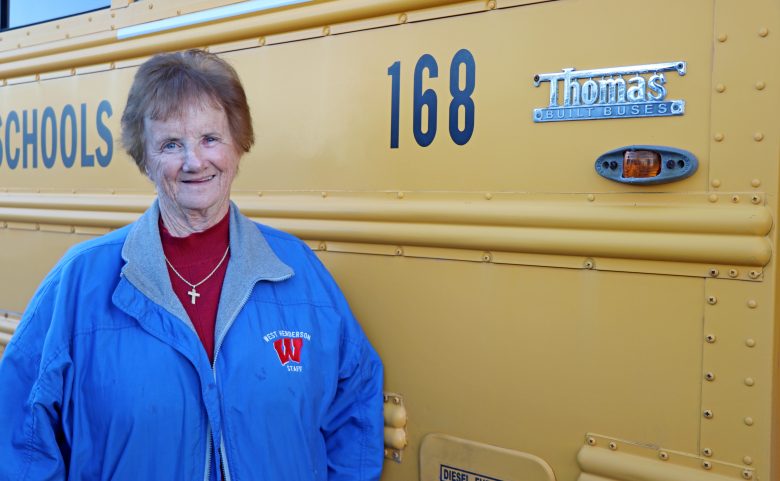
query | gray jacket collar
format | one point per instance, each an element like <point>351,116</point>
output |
<point>251,260</point>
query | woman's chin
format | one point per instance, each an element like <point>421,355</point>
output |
<point>199,206</point>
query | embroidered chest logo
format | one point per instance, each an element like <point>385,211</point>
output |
<point>289,347</point>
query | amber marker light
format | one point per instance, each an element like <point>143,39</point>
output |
<point>640,164</point>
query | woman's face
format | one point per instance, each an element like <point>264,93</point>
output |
<point>192,160</point>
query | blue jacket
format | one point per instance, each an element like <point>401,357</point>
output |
<point>106,378</point>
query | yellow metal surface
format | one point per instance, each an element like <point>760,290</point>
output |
<point>519,300</point>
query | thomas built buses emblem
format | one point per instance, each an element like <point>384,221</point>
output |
<point>609,93</point>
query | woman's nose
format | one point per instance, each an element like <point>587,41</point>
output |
<point>193,160</point>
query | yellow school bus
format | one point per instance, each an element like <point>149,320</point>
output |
<point>554,219</point>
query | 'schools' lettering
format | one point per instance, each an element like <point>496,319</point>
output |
<point>289,349</point>
<point>56,135</point>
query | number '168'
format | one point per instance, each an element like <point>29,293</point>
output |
<point>461,98</point>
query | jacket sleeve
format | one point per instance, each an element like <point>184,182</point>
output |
<point>354,423</point>
<point>32,372</point>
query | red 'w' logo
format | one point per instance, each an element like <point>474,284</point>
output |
<point>289,349</point>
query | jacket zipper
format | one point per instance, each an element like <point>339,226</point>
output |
<point>223,454</point>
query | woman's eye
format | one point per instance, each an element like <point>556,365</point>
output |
<point>210,140</point>
<point>170,146</point>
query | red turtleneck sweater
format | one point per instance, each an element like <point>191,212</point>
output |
<point>194,257</point>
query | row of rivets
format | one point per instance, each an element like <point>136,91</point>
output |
<point>709,376</point>
<point>664,456</point>
<point>762,32</point>
<point>716,183</point>
<point>759,85</point>
<point>733,273</point>
<point>720,136</point>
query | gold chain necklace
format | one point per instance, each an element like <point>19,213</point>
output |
<point>192,292</point>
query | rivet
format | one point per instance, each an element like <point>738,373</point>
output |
<point>710,338</point>
<point>89,19</point>
<point>718,137</point>
<point>37,76</point>
<point>747,474</point>
<point>663,455</point>
<point>37,227</point>
<point>720,88</point>
<point>403,18</point>
<point>751,303</point>
<point>710,376</point>
<point>323,246</point>
<point>713,273</point>
<point>756,199</point>
<point>259,194</point>
<point>178,12</point>
<point>712,198</point>
<point>715,183</point>
<point>758,136</point>
<point>326,30</point>
<point>750,342</point>
<point>748,421</point>
<point>72,229</point>
<point>488,196</point>
<point>57,27</point>
<point>113,15</point>
<point>324,194</point>
<point>399,251</point>
<point>261,41</point>
<point>591,197</point>
<point>753,274</point>
<point>491,5</point>
<point>113,27</point>
<point>151,6</point>
<point>486,257</point>
<point>735,198</point>
<point>28,33</point>
<point>73,71</point>
<point>706,465</point>
<point>591,441</point>
<point>112,65</point>
<point>712,300</point>
<point>707,452</point>
<point>722,37</point>
<point>763,32</point>
<point>747,460</point>
<point>588,264</point>
<point>733,273</point>
<point>760,85</point>
<point>18,45</point>
<point>400,195</point>
<point>613,445</point>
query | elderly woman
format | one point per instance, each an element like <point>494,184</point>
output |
<point>193,344</point>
